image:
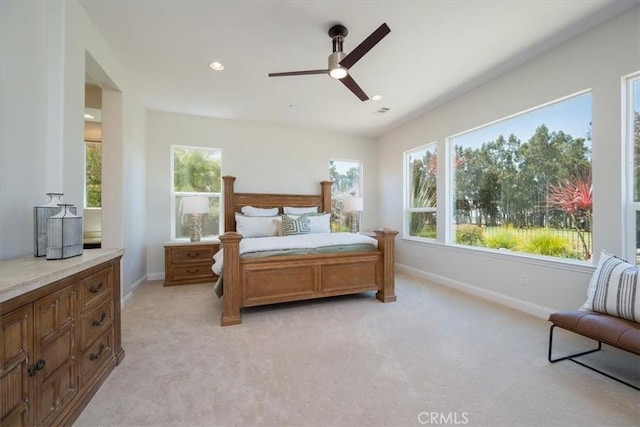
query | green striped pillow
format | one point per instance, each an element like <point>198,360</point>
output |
<point>293,226</point>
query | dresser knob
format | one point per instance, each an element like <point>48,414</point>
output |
<point>193,254</point>
<point>195,271</point>
<point>36,367</point>
<point>97,356</point>
<point>98,322</point>
<point>96,289</point>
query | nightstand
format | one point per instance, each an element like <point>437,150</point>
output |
<point>186,262</point>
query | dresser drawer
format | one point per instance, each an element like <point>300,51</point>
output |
<point>94,288</point>
<point>99,353</point>
<point>192,254</point>
<point>95,322</point>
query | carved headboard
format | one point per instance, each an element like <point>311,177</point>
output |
<point>233,201</point>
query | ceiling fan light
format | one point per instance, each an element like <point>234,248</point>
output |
<point>338,72</point>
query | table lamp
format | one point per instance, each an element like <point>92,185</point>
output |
<point>195,206</point>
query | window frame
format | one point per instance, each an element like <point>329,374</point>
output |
<point>449,190</point>
<point>174,194</point>
<point>406,200</point>
<point>632,206</point>
<point>359,193</point>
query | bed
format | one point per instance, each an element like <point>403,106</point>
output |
<point>250,282</point>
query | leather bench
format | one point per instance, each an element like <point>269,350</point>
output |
<point>604,328</point>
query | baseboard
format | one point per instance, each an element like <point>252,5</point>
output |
<point>128,297</point>
<point>155,276</point>
<point>511,302</point>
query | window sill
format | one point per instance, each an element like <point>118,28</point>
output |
<point>506,255</point>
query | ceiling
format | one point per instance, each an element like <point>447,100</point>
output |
<point>436,50</point>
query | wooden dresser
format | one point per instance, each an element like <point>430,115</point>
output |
<point>60,335</point>
<point>186,262</point>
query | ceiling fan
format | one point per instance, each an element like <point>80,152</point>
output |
<point>340,63</point>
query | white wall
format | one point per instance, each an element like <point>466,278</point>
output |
<point>263,158</point>
<point>43,54</point>
<point>595,60</point>
<point>24,70</point>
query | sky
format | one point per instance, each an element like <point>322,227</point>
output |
<point>572,116</point>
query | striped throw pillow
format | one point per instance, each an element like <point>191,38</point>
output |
<point>614,289</point>
<point>293,226</point>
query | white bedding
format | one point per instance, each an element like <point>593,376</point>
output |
<point>300,241</point>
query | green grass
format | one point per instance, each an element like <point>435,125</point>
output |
<point>562,243</point>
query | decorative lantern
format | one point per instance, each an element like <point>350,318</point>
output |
<point>40,215</point>
<point>64,234</point>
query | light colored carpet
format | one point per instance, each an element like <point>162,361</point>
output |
<point>434,356</point>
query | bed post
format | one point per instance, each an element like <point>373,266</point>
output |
<point>326,196</point>
<point>386,243</point>
<point>231,279</point>
<point>229,204</point>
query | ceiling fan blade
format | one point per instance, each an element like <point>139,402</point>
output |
<point>298,73</point>
<point>365,46</point>
<point>353,87</point>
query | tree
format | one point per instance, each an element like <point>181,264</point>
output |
<point>424,191</point>
<point>574,196</point>
<point>196,171</point>
<point>93,174</point>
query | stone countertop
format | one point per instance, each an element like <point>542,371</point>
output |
<point>21,275</point>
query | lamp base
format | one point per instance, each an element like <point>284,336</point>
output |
<point>195,227</point>
<point>354,222</point>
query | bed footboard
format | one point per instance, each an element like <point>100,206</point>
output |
<point>261,281</point>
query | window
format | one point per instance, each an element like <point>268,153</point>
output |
<point>93,174</point>
<point>524,183</point>
<point>421,195</point>
<point>633,166</point>
<point>347,182</point>
<point>196,171</point>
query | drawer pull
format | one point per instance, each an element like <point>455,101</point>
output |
<point>193,254</point>
<point>98,322</point>
<point>195,271</point>
<point>97,356</point>
<point>36,367</point>
<point>96,289</point>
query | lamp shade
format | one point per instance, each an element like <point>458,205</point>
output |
<point>353,204</point>
<point>195,205</point>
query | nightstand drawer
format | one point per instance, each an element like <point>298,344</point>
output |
<point>187,263</point>
<point>191,254</point>
<point>193,272</point>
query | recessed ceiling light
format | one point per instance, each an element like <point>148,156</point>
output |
<point>89,116</point>
<point>376,97</point>
<point>215,65</point>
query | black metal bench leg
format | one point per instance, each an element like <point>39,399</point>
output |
<point>572,357</point>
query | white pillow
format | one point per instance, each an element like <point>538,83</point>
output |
<point>257,226</point>
<point>613,289</point>
<point>251,211</point>
<point>318,223</point>
<point>300,211</point>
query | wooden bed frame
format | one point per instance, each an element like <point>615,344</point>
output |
<point>260,281</point>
